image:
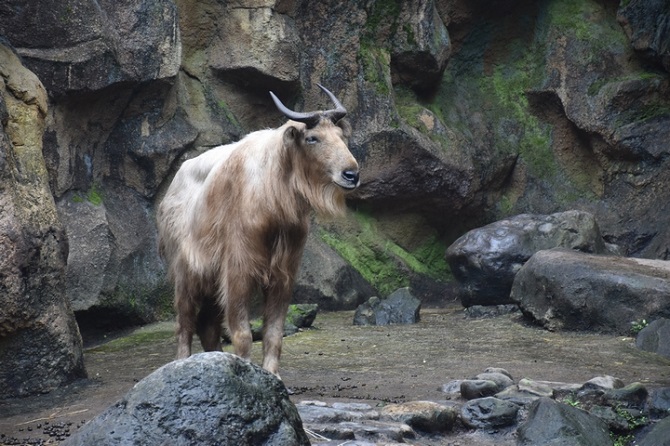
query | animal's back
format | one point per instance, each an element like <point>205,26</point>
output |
<point>182,201</point>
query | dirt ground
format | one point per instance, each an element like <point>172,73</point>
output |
<point>336,361</point>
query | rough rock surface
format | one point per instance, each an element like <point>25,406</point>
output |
<point>209,398</point>
<point>485,260</point>
<point>401,307</point>
<point>325,279</point>
<point>655,337</point>
<point>550,422</point>
<point>40,344</point>
<point>570,290</point>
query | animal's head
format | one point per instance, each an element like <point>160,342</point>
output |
<point>322,144</point>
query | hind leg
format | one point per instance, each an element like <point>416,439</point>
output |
<point>209,326</point>
<point>185,304</point>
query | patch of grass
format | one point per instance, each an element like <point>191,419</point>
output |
<point>136,339</point>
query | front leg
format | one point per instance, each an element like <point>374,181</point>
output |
<point>274,316</point>
<point>237,317</point>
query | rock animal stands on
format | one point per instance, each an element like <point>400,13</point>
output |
<point>235,220</point>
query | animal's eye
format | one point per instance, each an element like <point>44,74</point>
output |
<point>311,140</point>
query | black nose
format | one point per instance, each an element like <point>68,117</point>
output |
<point>350,176</point>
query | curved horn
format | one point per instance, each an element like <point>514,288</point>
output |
<point>309,119</point>
<point>339,112</point>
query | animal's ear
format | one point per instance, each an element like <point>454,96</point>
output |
<point>346,127</point>
<point>292,136</point>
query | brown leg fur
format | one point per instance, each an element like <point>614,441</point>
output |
<point>209,326</point>
<point>185,307</point>
<point>237,314</point>
<point>277,300</point>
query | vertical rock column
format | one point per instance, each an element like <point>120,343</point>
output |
<point>40,344</point>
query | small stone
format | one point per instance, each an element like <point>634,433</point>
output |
<point>478,388</point>
<point>502,381</point>
<point>535,388</point>
<point>633,395</point>
<point>426,416</point>
<point>603,382</point>
<point>486,413</point>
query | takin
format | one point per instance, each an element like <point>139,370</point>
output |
<point>234,222</point>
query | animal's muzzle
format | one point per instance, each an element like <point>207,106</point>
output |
<point>351,178</point>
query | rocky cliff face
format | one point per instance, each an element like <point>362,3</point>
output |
<point>40,345</point>
<point>463,112</point>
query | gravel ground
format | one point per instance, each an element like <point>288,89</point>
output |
<point>336,361</point>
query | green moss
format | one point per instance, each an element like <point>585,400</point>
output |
<point>93,196</point>
<point>136,339</point>
<point>381,261</point>
<point>375,62</point>
<point>509,85</point>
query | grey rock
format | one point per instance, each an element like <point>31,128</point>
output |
<point>647,24</point>
<point>41,347</point>
<point>328,281</point>
<point>535,388</point>
<point>603,382</point>
<point>354,422</point>
<point>421,49</point>
<point>401,307</point>
<point>487,311</point>
<point>633,395</point>
<point>317,412</point>
<point>486,260</point>
<point>452,388</point>
<point>427,416</point>
<point>520,397</point>
<point>499,370</point>
<point>659,434</point>
<point>658,402</point>
<point>477,388</point>
<point>489,412</point>
<point>502,380</point>
<point>555,424</point>
<point>87,46</point>
<point>208,398</point>
<point>655,337</point>
<point>569,290</point>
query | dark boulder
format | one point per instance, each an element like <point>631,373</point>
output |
<point>485,260</point>
<point>552,423</point>
<point>489,413</point>
<point>401,307</point>
<point>655,337</point>
<point>208,398</point>
<point>570,290</point>
<point>658,436</point>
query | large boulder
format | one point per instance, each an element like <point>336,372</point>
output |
<point>655,337</point>
<point>570,290</point>
<point>659,434</point>
<point>208,398</point>
<point>551,423</point>
<point>327,280</point>
<point>114,273</point>
<point>40,343</point>
<point>485,260</point>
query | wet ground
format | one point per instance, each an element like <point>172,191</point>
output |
<point>336,361</point>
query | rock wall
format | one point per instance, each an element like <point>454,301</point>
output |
<point>40,344</point>
<point>463,112</point>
